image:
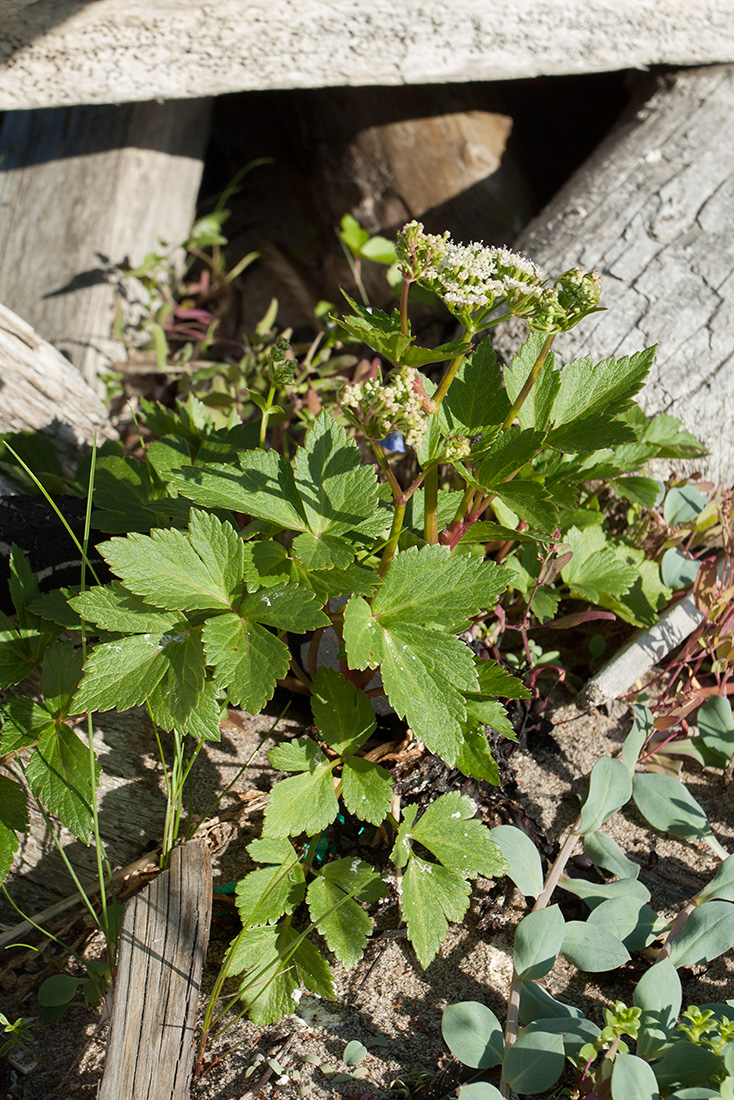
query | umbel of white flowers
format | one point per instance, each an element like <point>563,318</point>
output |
<point>397,405</point>
<point>473,279</point>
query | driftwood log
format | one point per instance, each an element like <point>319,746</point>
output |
<point>652,210</point>
<point>83,189</point>
<point>41,391</point>
<point>165,931</point>
<point>57,52</point>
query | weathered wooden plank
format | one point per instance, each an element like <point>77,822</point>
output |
<point>652,210</point>
<point>66,51</point>
<point>41,391</point>
<point>165,931</point>
<point>82,189</point>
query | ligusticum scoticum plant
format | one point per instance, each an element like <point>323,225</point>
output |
<point>224,552</point>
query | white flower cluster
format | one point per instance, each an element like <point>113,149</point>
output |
<point>395,406</point>
<point>468,277</point>
<point>457,447</point>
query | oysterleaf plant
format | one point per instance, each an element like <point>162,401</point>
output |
<point>226,553</point>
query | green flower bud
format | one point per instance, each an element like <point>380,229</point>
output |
<point>280,363</point>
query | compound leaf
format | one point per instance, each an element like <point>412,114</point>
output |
<point>366,789</point>
<point>58,774</point>
<point>431,896</point>
<point>339,918</point>
<point>343,715</point>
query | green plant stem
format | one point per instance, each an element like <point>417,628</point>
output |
<point>430,506</point>
<point>404,290</point>
<point>392,543</point>
<point>43,931</point>
<point>75,879</point>
<point>266,415</point>
<point>513,1000</point>
<point>529,382</point>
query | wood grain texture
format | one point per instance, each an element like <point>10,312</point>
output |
<point>70,51</point>
<point>83,189</point>
<point>652,209</point>
<point>40,390</point>
<point>165,931</point>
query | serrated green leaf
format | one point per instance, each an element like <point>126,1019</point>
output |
<point>476,397</point>
<point>328,583</point>
<point>303,803</point>
<point>58,774</point>
<point>474,756</point>
<point>337,491</point>
<point>531,501</point>
<point>473,1034</point>
<point>366,789</point>
<point>343,715</point>
<point>274,971</point>
<point>8,847</point>
<point>248,659</point>
<point>496,680</point>
<point>491,713</point>
<point>287,608</point>
<point>512,450</point>
<point>112,607</point>
<point>126,499</point>
<point>633,1079</point>
<point>183,682</point>
<point>421,357</point>
<point>538,941</point>
<point>536,410</point>
<point>121,674</point>
<point>534,1062</point>
<point>595,568</point>
<point>174,570</point>
<point>339,918</point>
<point>13,807</point>
<point>265,564</point>
<point>590,396</point>
<point>425,674</point>
<point>708,933</point>
<point>638,490</point>
<point>62,669</point>
<point>203,721</point>
<point>431,896</point>
<point>449,830</point>
<point>659,994</point>
<point>523,859</point>
<point>265,895</point>
<point>23,722</point>
<point>21,653</point>
<point>433,587</point>
<point>610,788</point>
<point>263,487</point>
<point>54,606</point>
<point>300,755</point>
<point>322,552</point>
<point>591,948</point>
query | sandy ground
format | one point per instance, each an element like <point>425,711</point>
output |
<point>387,1001</point>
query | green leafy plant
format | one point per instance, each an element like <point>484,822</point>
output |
<point>542,1035</point>
<point>225,550</point>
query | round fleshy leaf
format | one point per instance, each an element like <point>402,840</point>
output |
<point>534,1062</point>
<point>610,787</point>
<point>523,857</point>
<point>538,940</point>
<point>633,1079</point>
<point>473,1034</point>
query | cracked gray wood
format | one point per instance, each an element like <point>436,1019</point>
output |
<point>83,189</point>
<point>652,209</point>
<point>40,390</point>
<point>73,51</point>
<point>165,931</point>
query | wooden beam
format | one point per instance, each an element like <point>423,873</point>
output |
<point>652,210</point>
<point>57,52</point>
<point>165,931</point>
<point>41,391</point>
<point>82,189</point>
